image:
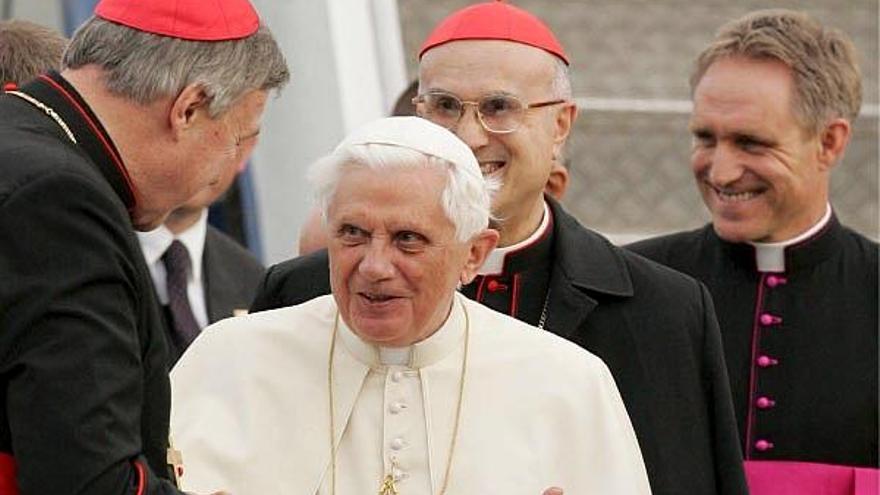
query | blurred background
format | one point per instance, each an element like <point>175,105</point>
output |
<point>628,154</point>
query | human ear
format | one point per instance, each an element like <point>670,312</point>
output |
<point>832,142</point>
<point>190,106</point>
<point>557,182</point>
<point>480,246</point>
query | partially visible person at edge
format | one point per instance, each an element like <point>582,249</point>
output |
<point>775,97</point>
<point>429,390</point>
<point>151,105</point>
<point>201,275</point>
<point>27,50</point>
<point>655,328</point>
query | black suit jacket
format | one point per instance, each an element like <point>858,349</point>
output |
<point>230,277</point>
<point>655,329</point>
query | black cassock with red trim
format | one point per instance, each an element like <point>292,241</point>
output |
<point>517,285</point>
<point>83,358</point>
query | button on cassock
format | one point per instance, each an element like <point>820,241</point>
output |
<point>766,361</point>
<point>775,280</point>
<point>495,286</point>
<point>763,445</point>
<point>767,319</point>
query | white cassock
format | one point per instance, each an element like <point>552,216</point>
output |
<point>250,410</point>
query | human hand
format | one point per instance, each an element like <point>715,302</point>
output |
<point>553,490</point>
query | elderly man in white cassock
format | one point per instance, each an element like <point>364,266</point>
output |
<point>395,383</point>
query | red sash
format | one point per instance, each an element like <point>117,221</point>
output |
<point>8,485</point>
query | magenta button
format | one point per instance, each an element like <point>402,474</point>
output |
<point>774,280</point>
<point>765,403</point>
<point>766,361</point>
<point>768,319</point>
<point>763,445</point>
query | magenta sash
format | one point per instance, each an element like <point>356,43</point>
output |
<point>810,478</point>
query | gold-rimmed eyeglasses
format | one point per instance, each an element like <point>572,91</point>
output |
<point>498,113</point>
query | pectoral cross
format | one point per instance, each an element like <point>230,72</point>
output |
<point>388,487</point>
<point>175,463</point>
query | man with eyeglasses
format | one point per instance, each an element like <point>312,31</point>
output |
<point>497,77</point>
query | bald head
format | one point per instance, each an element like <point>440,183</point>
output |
<point>521,160</point>
<point>530,66</point>
<point>312,235</point>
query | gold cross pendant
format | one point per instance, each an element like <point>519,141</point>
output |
<point>175,464</point>
<point>388,487</point>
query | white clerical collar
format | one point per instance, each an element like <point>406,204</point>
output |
<point>494,264</point>
<point>770,256</point>
<point>155,242</point>
<point>421,354</point>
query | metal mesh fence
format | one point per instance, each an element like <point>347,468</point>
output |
<point>630,166</point>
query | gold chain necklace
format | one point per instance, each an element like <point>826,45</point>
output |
<point>543,319</point>
<point>47,110</point>
<point>388,486</point>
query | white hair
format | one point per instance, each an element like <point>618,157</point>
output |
<point>466,198</point>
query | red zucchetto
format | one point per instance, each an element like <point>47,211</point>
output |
<point>496,20</point>
<point>197,20</point>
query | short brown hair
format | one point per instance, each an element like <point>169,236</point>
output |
<point>827,79</point>
<point>27,50</point>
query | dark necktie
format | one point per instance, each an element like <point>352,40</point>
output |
<point>177,266</point>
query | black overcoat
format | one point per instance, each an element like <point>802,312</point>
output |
<point>654,328</point>
<point>232,275</point>
<point>83,362</point>
<point>806,381</point>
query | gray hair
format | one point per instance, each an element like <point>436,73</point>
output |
<point>465,199</point>
<point>827,79</point>
<point>144,67</point>
<point>27,50</point>
<point>561,80</point>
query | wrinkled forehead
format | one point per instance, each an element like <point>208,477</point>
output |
<point>389,189</point>
<point>392,199</point>
<point>744,89</point>
<point>472,68</point>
